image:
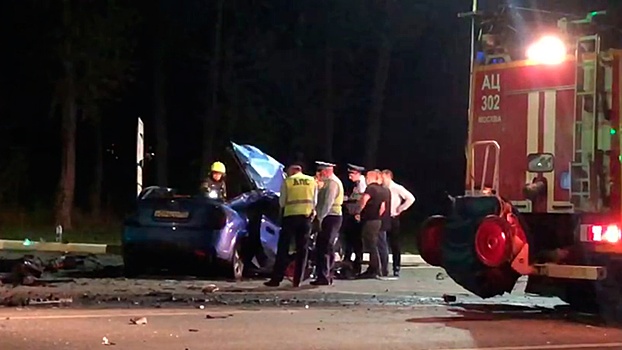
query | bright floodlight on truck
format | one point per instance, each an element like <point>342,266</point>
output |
<point>547,50</point>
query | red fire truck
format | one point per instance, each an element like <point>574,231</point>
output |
<point>544,180</point>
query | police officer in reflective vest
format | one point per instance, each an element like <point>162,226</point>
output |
<point>298,199</point>
<point>329,215</point>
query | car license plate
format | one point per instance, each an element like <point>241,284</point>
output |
<point>170,214</point>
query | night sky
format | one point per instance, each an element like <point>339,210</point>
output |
<point>271,91</point>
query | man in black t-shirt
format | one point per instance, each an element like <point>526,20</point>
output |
<point>373,205</point>
<point>383,246</point>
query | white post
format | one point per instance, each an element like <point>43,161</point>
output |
<point>471,75</point>
<point>59,233</point>
<point>140,155</point>
<point>473,39</point>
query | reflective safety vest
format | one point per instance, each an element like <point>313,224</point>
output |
<point>336,208</point>
<point>299,195</point>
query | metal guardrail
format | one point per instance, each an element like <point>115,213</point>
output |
<point>86,248</point>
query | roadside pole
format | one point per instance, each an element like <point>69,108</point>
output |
<point>140,155</point>
<point>472,14</point>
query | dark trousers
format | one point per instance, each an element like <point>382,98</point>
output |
<point>383,251</point>
<point>353,242</point>
<point>393,237</point>
<point>254,248</point>
<point>299,227</point>
<point>371,229</point>
<point>325,246</point>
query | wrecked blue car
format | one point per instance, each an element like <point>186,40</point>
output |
<point>197,235</point>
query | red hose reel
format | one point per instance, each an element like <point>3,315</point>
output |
<point>499,238</point>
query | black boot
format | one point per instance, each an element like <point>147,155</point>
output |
<point>367,275</point>
<point>321,282</point>
<point>272,283</point>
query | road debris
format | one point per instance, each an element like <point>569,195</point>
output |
<point>138,320</point>
<point>449,298</point>
<point>105,341</point>
<point>211,317</point>
<point>49,301</point>
<point>193,330</point>
<point>24,271</point>
<point>210,288</point>
<point>29,270</point>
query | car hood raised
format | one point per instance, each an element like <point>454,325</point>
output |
<point>263,170</point>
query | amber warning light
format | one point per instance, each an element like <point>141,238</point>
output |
<point>605,234</point>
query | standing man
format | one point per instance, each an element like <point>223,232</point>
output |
<point>318,179</point>
<point>355,174</point>
<point>401,200</point>
<point>329,216</point>
<point>352,239</point>
<point>373,206</point>
<point>298,199</point>
<point>385,226</point>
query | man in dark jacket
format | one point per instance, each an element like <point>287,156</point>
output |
<point>351,232</point>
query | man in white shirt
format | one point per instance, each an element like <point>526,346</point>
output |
<point>401,200</point>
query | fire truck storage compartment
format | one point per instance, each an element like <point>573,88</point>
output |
<point>527,109</point>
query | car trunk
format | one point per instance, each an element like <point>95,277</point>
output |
<point>182,213</point>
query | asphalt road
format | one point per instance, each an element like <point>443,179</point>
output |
<point>409,313</point>
<point>354,327</point>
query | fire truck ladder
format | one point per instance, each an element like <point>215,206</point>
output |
<point>495,171</point>
<point>586,119</point>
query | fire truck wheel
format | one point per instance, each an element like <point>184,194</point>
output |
<point>603,297</point>
<point>608,294</point>
<point>493,241</point>
<point>581,297</point>
<point>430,240</point>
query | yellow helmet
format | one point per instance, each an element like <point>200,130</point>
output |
<point>219,167</point>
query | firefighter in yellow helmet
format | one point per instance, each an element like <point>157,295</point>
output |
<point>214,185</point>
<point>298,199</point>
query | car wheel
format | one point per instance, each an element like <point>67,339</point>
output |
<point>234,267</point>
<point>237,265</point>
